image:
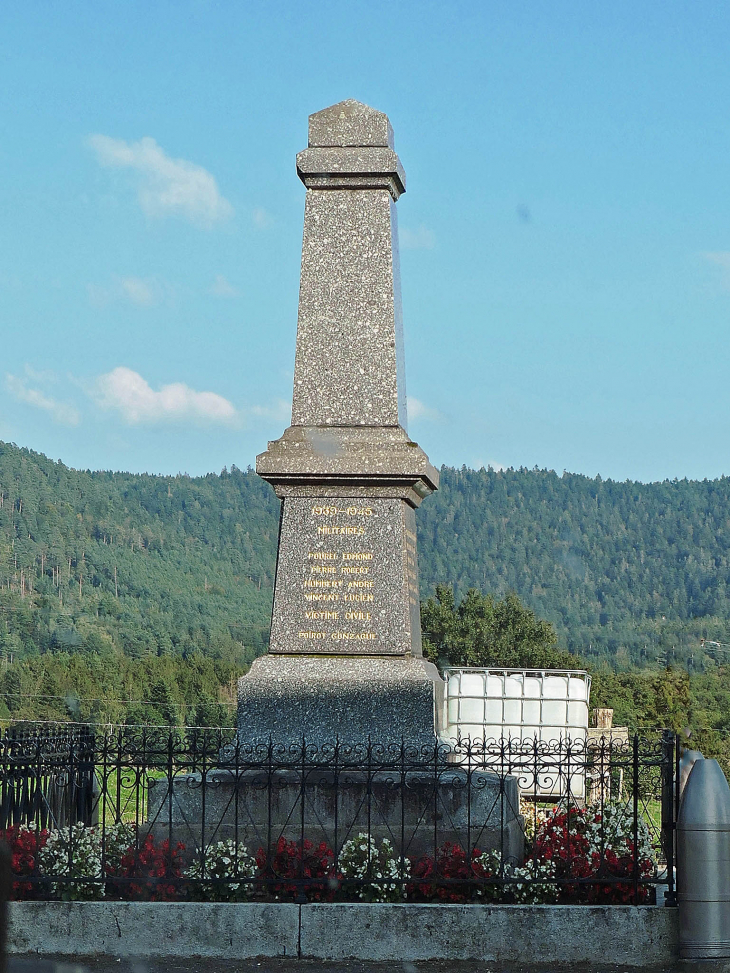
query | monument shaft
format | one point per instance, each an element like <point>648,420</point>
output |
<point>349,313</point>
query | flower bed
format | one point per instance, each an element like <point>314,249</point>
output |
<point>596,847</point>
<point>582,855</point>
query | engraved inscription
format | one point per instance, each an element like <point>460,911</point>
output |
<point>339,529</point>
<point>349,521</point>
<point>347,578</point>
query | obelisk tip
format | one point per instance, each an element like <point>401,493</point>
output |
<point>350,124</point>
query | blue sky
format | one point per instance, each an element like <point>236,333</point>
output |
<point>565,235</point>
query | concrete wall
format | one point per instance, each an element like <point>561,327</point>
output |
<point>214,929</point>
<point>625,935</point>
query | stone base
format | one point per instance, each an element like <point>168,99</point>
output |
<point>417,810</point>
<point>388,701</point>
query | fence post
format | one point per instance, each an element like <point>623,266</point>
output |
<point>6,888</point>
<point>636,817</point>
<point>668,815</point>
<point>87,747</point>
<point>170,793</point>
<point>301,890</point>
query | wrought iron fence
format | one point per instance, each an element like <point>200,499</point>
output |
<point>31,786</point>
<point>159,814</point>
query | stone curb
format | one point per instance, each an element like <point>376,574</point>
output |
<point>145,929</point>
<point>620,935</point>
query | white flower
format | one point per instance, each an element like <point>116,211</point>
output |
<point>74,853</point>
<point>223,860</point>
<point>361,859</point>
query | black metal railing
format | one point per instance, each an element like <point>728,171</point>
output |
<point>46,776</point>
<point>154,813</point>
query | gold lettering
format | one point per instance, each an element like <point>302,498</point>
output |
<point>321,583</point>
<point>364,636</point>
<point>349,511</point>
<point>322,556</point>
<point>358,616</point>
<point>336,529</point>
<point>358,556</point>
<point>325,615</point>
<point>358,597</point>
<point>312,635</point>
<point>321,596</point>
<point>360,584</point>
<point>357,569</point>
<point>322,569</point>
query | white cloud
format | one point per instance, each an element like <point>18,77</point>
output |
<point>60,412</point>
<point>279,410</point>
<point>127,392</point>
<point>138,291</point>
<point>166,185</point>
<point>142,291</point>
<point>45,377</point>
<point>721,259</point>
<point>417,410</point>
<point>262,219</point>
<point>222,288</point>
<point>419,239</point>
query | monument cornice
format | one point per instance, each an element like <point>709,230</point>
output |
<point>352,168</point>
<point>369,460</point>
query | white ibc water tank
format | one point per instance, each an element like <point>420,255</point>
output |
<point>521,705</point>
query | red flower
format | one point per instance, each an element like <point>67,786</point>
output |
<point>296,868</point>
<point>24,844</point>
<point>451,876</point>
<point>154,868</point>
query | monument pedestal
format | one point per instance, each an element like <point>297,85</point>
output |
<point>345,658</point>
<point>323,700</point>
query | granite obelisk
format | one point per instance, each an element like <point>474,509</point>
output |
<point>345,657</point>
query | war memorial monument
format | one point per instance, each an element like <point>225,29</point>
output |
<point>339,724</point>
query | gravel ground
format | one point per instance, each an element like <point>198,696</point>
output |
<point>108,964</point>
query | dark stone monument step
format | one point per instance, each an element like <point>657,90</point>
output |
<point>417,810</point>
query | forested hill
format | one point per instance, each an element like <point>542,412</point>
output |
<point>169,565</point>
<point>634,572</point>
<point>149,564</point>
